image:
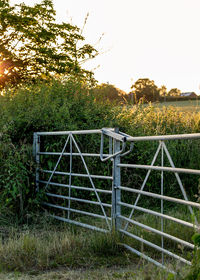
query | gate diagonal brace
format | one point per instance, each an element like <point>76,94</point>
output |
<point>116,136</point>
<point>91,181</point>
<point>57,163</point>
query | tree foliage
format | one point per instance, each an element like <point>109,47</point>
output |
<point>109,94</point>
<point>145,89</point>
<point>163,90</point>
<point>174,92</point>
<point>33,45</point>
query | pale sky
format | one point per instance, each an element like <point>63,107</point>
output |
<point>155,39</point>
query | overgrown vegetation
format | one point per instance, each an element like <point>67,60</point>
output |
<point>43,244</point>
<point>49,245</point>
<point>40,107</point>
<point>73,106</point>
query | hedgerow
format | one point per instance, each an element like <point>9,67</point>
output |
<point>71,106</point>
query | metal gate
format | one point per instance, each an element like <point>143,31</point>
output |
<point>74,193</point>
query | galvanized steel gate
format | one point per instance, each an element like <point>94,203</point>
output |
<point>58,186</point>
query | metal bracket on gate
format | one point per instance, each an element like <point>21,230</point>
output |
<point>129,151</point>
<point>117,136</point>
<point>131,144</point>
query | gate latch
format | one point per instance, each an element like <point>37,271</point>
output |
<point>116,136</point>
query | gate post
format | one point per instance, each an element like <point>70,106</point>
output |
<point>36,150</point>
<point>116,192</point>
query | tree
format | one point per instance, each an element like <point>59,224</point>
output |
<point>33,45</point>
<point>174,92</point>
<point>145,89</point>
<point>109,93</point>
<point>163,90</point>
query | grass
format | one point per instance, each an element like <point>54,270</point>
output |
<point>140,272</point>
<point>144,272</point>
<point>186,106</point>
<point>51,245</point>
<point>47,249</point>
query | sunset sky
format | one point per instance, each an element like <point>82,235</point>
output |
<point>155,39</point>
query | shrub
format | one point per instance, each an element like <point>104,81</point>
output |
<point>40,107</point>
<point>71,106</point>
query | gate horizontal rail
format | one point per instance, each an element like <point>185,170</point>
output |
<point>75,210</point>
<point>142,255</point>
<point>164,137</point>
<point>168,198</point>
<point>154,246</point>
<point>79,224</point>
<point>75,187</point>
<point>158,214</point>
<point>159,168</point>
<point>78,175</point>
<point>185,243</point>
<point>74,132</point>
<point>73,154</point>
<point>78,199</point>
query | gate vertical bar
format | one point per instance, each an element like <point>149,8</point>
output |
<point>116,192</point>
<point>70,177</point>
<point>110,146</point>
<point>162,193</point>
<point>36,146</point>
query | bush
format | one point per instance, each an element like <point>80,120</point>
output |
<point>40,107</point>
<point>16,179</point>
<point>70,106</point>
<point>47,107</point>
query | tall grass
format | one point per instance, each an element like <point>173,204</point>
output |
<point>148,120</point>
<point>42,248</point>
<point>45,245</point>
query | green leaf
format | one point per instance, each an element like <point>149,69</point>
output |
<point>196,239</point>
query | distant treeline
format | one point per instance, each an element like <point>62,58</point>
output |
<point>144,92</point>
<point>164,98</point>
<point>177,98</point>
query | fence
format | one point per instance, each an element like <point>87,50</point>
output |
<point>78,200</point>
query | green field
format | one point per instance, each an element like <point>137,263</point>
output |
<point>183,106</point>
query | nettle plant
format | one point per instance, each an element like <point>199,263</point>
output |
<point>16,186</point>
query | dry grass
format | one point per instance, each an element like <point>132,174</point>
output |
<point>60,251</point>
<point>58,245</point>
<point>140,272</point>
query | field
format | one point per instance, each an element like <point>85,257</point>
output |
<point>191,106</point>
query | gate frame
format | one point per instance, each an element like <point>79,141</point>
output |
<point>116,138</point>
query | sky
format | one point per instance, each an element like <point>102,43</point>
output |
<point>155,39</point>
